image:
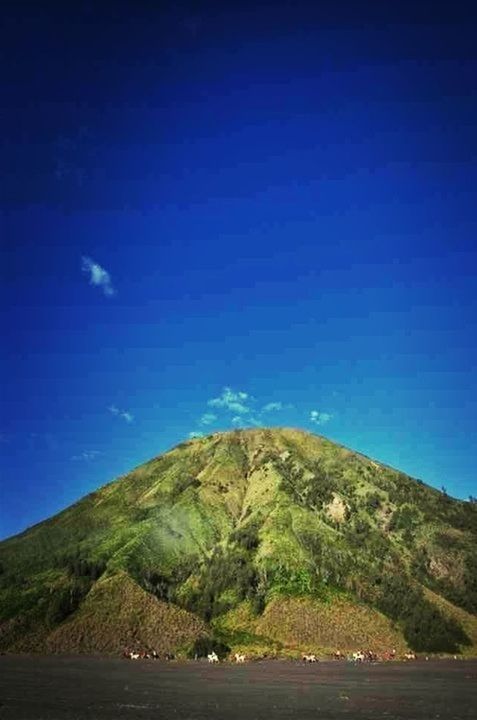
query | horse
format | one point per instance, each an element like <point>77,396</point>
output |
<point>212,657</point>
<point>239,658</point>
<point>410,656</point>
<point>358,657</point>
<point>309,658</point>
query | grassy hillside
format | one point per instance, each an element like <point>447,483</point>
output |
<point>285,523</point>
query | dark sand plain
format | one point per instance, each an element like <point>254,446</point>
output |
<point>90,688</point>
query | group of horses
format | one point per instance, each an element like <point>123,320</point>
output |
<point>212,657</point>
<point>363,656</point>
<point>145,655</point>
<point>360,656</point>
<point>372,657</point>
<point>238,658</point>
<point>369,656</point>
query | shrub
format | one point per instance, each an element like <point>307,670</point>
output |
<point>292,582</point>
<point>427,629</point>
<point>65,601</point>
<point>79,567</point>
<point>424,626</point>
<point>311,491</point>
<point>162,583</point>
<point>247,537</point>
<point>405,518</point>
<point>182,484</point>
<point>231,570</point>
<point>373,502</point>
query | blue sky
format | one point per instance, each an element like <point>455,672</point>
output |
<point>217,217</point>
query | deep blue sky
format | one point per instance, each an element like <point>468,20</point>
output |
<point>283,196</point>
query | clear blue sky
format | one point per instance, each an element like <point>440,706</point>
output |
<point>275,198</point>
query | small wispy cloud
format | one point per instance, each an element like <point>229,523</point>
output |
<point>255,421</point>
<point>87,455</point>
<point>207,419</point>
<point>248,421</point>
<point>98,276</point>
<point>319,418</point>
<point>123,414</point>
<point>273,407</point>
<point>194,434</point>
<point>230,400</point>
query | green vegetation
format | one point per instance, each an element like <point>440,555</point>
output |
<point>258,519</point>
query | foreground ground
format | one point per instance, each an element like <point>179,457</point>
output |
<point>83,688</point>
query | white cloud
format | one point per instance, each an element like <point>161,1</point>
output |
<point>207,419</point>
<point>230,400</point>
<point>194,434</point>
<point>272,407</point>
<point>241,421</point>
<point>319,418</point>
<point>256,421</point>
<point>87,455</point>
<point>124,414</point>
<point>98,276</point>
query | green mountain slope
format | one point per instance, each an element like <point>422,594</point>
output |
<point>276,539</point>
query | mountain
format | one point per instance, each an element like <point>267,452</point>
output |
<point>269,540</point>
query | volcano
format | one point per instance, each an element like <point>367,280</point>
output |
<point>269,541</point>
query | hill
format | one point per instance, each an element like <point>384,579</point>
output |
<point>272,539</point>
